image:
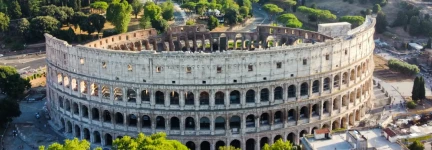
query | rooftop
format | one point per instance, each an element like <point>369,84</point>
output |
<point>389,132</point>
<point>322,131</point>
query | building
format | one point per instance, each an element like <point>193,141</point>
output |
<point>256,91</point>
<point>390,135</point>
<point>322,134</point>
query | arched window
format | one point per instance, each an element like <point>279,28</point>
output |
<point>220,123</point>
<point>174,98</point>
<point>250,121</point>
<point>204,98</point>
<point>315,86</point>
<point>190,123</point>
<point>250,96</point>
<point>175,123</point>
<point>291,91</point>
<point>219,98</point>
<point>189,97</point>
<point>264,95</point>
<point>235,97</point>
<point>304,89</point>
<point>160,97</point>
<point>204,123</point>
<point>326,84</point>
<point>278,94</point>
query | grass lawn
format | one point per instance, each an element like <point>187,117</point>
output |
<point>421,138</point>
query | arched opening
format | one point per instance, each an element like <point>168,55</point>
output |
<point>204,98</point>
<point>160,122</point>
<point>69,127</point>
<point>325,107</point>
<point>291,115</point>
<point>326,85</point>
<point>83,87</point>
<point>292,138</point>
<point>68,108</point>
<point>175,123</point>
<point>189,98</point>
<point>219,144</point>
<point>304,89</point>
<point>250,121</point>
<point>264,141</point>
<point>108,139</point>
<point>146,121</point>
<point>358,71</point>
<point>315,110</point>
<point>336,81</point>
<point>325,126</point>
<point>133,120</point>
<point>119,118</point>
<point>107,116</point>
<point>278,93</point>
<point>66,82</point>
<point>74,85</point>
<point>264,119</point>
<point>59,79</point>
<point>358,93</point>
<point>95,114</point>
<point>352,96</point>
<point>219,98</point>
<point>344,122</point>
<point>190,123</point>
<point>205,145</point>
<point>190,145</point>
<point>131,95</point>
<point>250,96</point>
<point>84,111</point>
<point>97,137</point>
<point>235,143</point>
<point>276,138</point>
<point>118,94</point>
<point>174,98</point>
<point>315,86</point>
<point>160,97</point>
<point>105,92</point>
<point>264,95</point>
<point>335,125</point>
<point>358,117</point>
<point>313,129</point>
<point>336,104</point>
<point>87,134</point>
<point>235,97</point>
<point>351,119</point>
<point>145,95</point>
<point>60,102</point>
<point>235,123</point>
<point>220,123</point>
<point>204,123</point>
<point>352,77</point>
<point>77,131</point>
<point>75,108</point>
<point>345,78</point>
<point>291,91</point>
<point>278,117</point>
<point>94,89</point>
<point>303,133</point>
<point>250,144</point>
<point>304,112</point>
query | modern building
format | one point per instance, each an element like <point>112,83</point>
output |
<point>208,89</point>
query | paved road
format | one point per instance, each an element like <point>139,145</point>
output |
<point>32,63</point>
<point>179,15</point>
<point>260,17</point>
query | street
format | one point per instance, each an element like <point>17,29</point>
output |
<point>259,17</point>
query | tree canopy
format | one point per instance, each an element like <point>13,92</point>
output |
<point>272,9</point>
<point>4,22</point>
<point>228,148</point>
<point>43,24</point>
<point>14,9</point>
<point>354,20</point>
<point>100,6</point>
<point>11,82</point>
<point>97,21</point>
<point>320,14</point>
<point>376,8</point>
<point>279,145</point>
<point>152,142</point>
<point>152,11</point>
<point>403,67</point>
<point>167,10</point>
<point>290,20</point>
<point>8,109</point>
<point>419,91</point>
<point>212,23</point>
<point>118,13</point>
<point>74,144</point>
<point>381,22</point>
<point>137,7</point>
<point>416,145</point>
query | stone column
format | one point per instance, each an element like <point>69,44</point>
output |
<point>310,88</point>
<point>321,109</point>
<point>331,107</point>
<point>111,95</point>
<point>196,99</point>
<point>124,92</point>
<point>243,98</point>
<point>219,44</point>
<point>182,100</point>
<point>99,92</point>
<point>243,124</point>
<point>257,122</point>
<point>139,122</point>
<point>212,124</point>
<point>271,96</point>
<point>197,124</point>
<point>182,125</point>
<point>125,120</point>
<point>298,87</point>
<point>227,99</point>
<point>138,96</point>
<point>167,99</point>
<point>285,93</point>
<point>257,96</point>
<point>321,85</point>
<point>152,98</point>
<point>212,99</point>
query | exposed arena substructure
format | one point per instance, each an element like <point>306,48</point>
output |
<point>208,89</point>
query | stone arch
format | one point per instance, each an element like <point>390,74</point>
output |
<point>219,144</point>
<point>75,108</point>
<point>118,94</point>
<point>345,78</point>
<point>264,119</point>
<point>336,103</point>
<point>97,137</point>
<point>189,123</point>
<point>291,137</point>
<point>291,91</point>
<point>67,105</point>
<point>105,92</point>
<point>250,144</point>
<point>132,120</point>
<point>174,98</point>
<point>235,97</point>
<point>250,96</point>
<point>59,78</point>
<point>326,84</point>
<point>351,119</point>
<point>250,121</point>
<point>119,118</point>
<point>235,123</point>
<point>313,130</point>
<point>69,127</point>
<point>325,126</point>
<point>352,77</point>
<point>219,98</point>
<point>175,123</point>
<point>189,98</point>
<point>357,114</point>
<point>345,100</point>
<point>66,81</point>
<point>106,116</point>
<point>344,122</point>
<point>336,81</point>
<point>352,96</point>
<point>219,123</point>
<point>336,125</point>
<point>77,131</point>
<point>131,95</point>
<point>325,107</point>
<point>304,112</point>
<point>160,98</point>
<point>358,93</point>
<point>60,101</point>
<point>160,122</point>
<point>146,121</point>
<point>304,89</point>
<point>145,96</point>
<point>84,111</point>
<point>315,86</point>
<point>235,143</point>
<point>204,98</point>
<point>190,145</point>
<point>278,93</point>
<point>303,133</point>
<point>108,139</point>
<point>205,145</point>
<point>263,141</point>
<point>359,71</point>
<point>94,89</point>
<point>86,134</point>
<point>278,117</point>
<point>74,84</point>
<point>291,115</point>
<point>315,110</point>
<point>264,95</point>
<point>204,123</point>
<point>83,87</point>
<point>95,114</point>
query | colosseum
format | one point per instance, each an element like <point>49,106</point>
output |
<point>209,89</point>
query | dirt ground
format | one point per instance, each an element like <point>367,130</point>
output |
<point>38,82</point>
<point>384,73</point>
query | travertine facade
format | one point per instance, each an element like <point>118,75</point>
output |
<point>275,83</point>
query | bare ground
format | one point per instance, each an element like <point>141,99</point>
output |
<point>384,73</point>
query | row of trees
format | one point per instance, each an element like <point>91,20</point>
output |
<point>354,20</point>
<point>411,21</point>
<point>403,67</point>
<point>316,14</point>
<point>418,91</point>
<point>290,20</point>
<point>157,141</point>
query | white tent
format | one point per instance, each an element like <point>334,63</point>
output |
<point>416,46</point>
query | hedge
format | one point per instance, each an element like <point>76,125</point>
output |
<point>403,67</point>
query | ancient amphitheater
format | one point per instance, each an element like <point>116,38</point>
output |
<point>208,89</point>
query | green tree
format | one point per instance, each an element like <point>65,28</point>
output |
<point>272,9</point>
<point>23,27</point>
<point>4,22</point>
<point>3,6</point>
<point>415,90</point>
<point>212,23</point>
<point>381,22</point>
<point>244,11</point>
<point>145,23</point>
<point>34,6</point>
<point>376,8</point>
<point>14,9</point>
<point>201,6</point>
<point>403,67</point>
<point>318,13</point>
<point>290,20</point>
<point>289,4</point>
<point>416,145</point>
<point>354,20</point>
<point>74,144</point>
<point>228,148</point>
<point>401,19</point>
<point>161,25</point>
<point>190,22</point>
<point>167,10</point>
<point>411,105</point>
<point>279,145</point>
<point>414,26</point>
<point>421,88</point>
<point>426,27</point>
<point>152,11</point>
<point>429,43</point>
<point>231,15</point>
<point>11,82</point>
<point>97,21</point>
<point>76,19</point>
<point>8,109</point>
<point>99,6</point>
<point>118,13</point>
<point>143,142</point>
<point>86,26</point>
<point>190,6</point>
<point>137,7</point>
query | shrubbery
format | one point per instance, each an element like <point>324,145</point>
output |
<point>411,105</point>
<point>403,67</point>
